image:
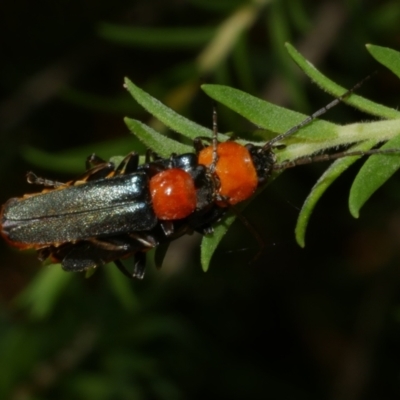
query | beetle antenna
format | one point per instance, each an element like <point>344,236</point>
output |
<point>251,229</point>
<point>214,138</point>
<point>315,115</point>
<point>254,232</point>
<point>330,157</point>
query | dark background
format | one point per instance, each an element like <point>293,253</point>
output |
<point>316,323</point>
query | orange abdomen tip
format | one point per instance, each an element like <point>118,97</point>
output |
<point>235,170</point>
<point>173,194</point>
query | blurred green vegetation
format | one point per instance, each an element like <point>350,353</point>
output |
<point>319,322</point>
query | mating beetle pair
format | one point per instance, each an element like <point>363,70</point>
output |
<point>113,212</point>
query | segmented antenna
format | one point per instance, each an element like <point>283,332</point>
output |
<point>214,139</point>
<point>330,157</point>
<point>315,115</point>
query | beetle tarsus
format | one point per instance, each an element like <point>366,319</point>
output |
<point>33,179</point>
<point>139,266</point>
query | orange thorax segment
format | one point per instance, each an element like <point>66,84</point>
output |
<point>235,171</point>
<point>173,194</point>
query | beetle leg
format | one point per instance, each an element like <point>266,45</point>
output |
<point>92,253</point>
<point>140,265</point>
<point>202,221</point>
<point>80,259</point>
<point>123,269</point>
<point>100,171</point>
<point>110,246</point>
<point>147,241</point>
<point>125,246</point>
<point>36,180</point>
<point>94,160</point>
<point>138,268</point>
<point>167,227</point>
<point>151,155</point>
<point>128,165</point>
<point>73,257</point>
<point>44,253</point>
<point>198,143</point>
<point>160,253</point>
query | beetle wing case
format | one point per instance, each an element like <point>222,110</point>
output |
<point>97,208</point>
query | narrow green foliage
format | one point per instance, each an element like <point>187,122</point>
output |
<point>323,183</point>
<point>170,118</point>
<point>266,115</point>
<point>210,243</point>
<point>162,145</point>
<point>336,90</point>
<point>372,175</point>
<point>312,139</point>
<point>387,57</point>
